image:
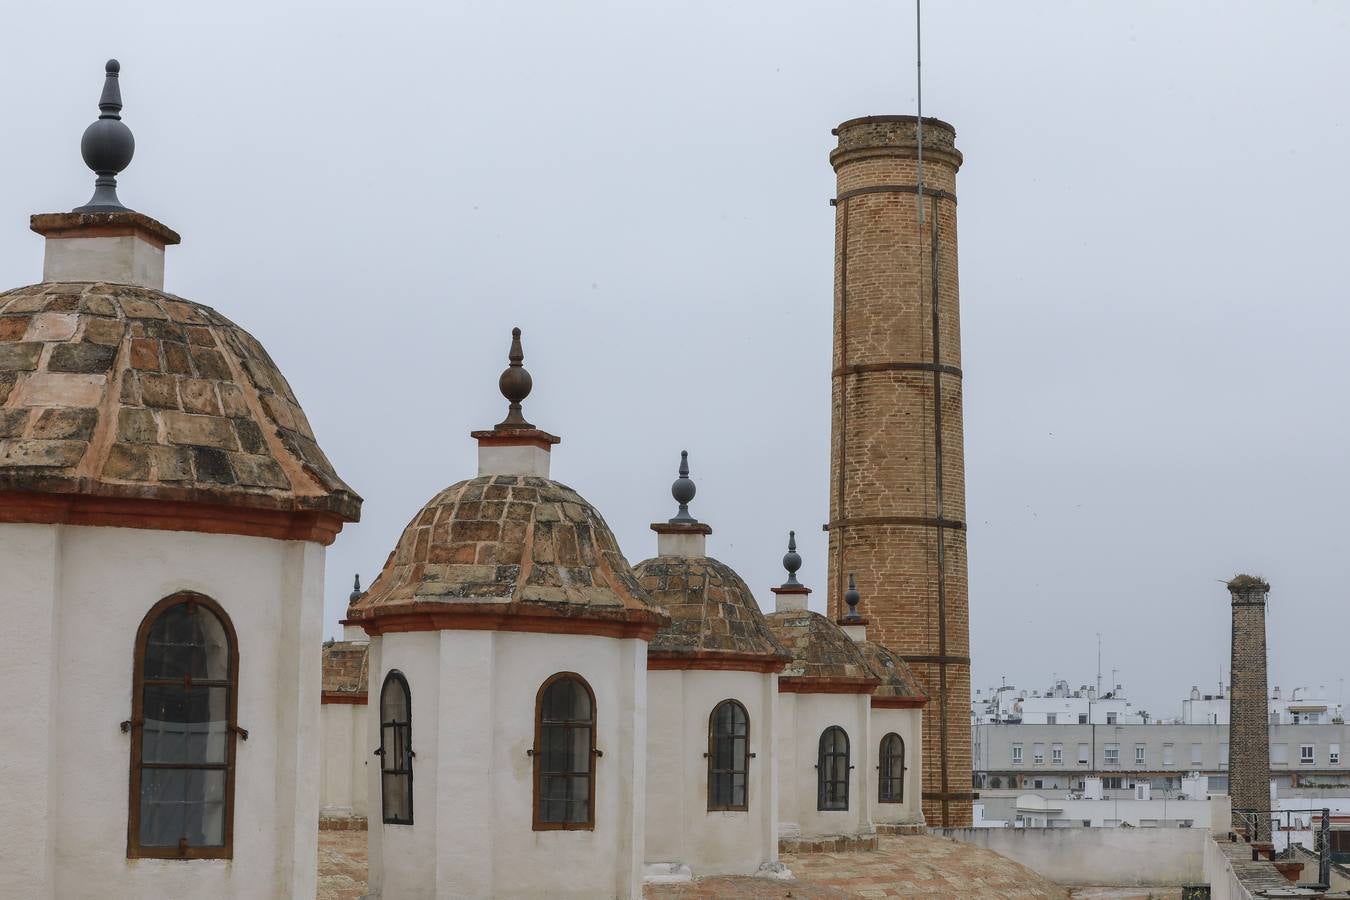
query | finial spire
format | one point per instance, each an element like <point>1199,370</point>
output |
<point>792,561</point>
<point>852,597</point>
<point>356,590</point>
<point>683,491</point>
<point>515,385</point>
<point>107,145</point>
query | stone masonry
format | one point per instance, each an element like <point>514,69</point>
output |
<point>1249,721</point>
<point>897,498</point>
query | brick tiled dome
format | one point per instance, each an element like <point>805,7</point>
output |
<point>128,393</point>
<point>512,553</point>
<point>821,651</point>
<point>714,617</point>
<point>897,681</point>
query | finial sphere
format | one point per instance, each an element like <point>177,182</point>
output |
<point>107,145</point>
<point>852,598</point>
<point>515,384</point>
<point>792,561</point>
<point>683,490</point>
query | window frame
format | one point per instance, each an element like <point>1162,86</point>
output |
<point>886,771</point>
<point>535,804</point>
<point>394,676</point>
<point>822,769</point>
<point>135,849</point>
<point>733,771</point>
<point>1307,754</point>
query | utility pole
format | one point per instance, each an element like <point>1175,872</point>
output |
<point>1099,665</point>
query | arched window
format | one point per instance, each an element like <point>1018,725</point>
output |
<point>564,754</point>
<point>396,754</point>
<point>728,756</point>
<point>183,728</point>
<point>832,770</point>
<point>891,783</point>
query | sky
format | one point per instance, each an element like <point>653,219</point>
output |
<point>1153,273</point>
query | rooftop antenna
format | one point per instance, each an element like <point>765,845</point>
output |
<point>1099,664</point>
<point>918,79</point>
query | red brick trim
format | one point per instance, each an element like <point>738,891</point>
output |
<point>713,660</point>
<point>898,702</point>
<point>167,515</point>
<point>519,437</point>
<point>356,699</point>
<point>105,224</point>
<point>827,684</point>
<point>442,617</point>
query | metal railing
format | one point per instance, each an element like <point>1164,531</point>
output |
<point>1258,825</point>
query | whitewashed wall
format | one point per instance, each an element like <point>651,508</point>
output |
<point>907,723</point>
<point>801,720</point>
<point>680,828</point>
<point>344,758</point>
<point>473,699</point>
<point>71,600</point>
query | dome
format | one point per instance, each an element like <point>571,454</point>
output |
<point>114,394</point>
<point>346,670</point>
<point>508,553</point>
<point>713,616</point>
<point>897,681</point>
<point>821,653</point>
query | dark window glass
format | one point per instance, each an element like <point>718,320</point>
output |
<point>564,755</point>
<point>183,731</point>
<point>832,770</point>
<point>891,783</point>
<point>395,751</point>
<point>728,756</point>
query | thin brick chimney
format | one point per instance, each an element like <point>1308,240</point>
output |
<point>1249,720</point>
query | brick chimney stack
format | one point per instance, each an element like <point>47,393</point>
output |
<point>1249,718</point>
<point>897,493</point>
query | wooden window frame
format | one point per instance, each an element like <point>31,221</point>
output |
<point>885,775</point>
<point>822,769</point>
<point>394,676</point>
<point>135,850</point>
<point>537,755</point>
<point>733,771</point>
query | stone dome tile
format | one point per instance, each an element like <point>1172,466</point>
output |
<point>713,613</point>
<point>514,547</point>
<point>120,391</point>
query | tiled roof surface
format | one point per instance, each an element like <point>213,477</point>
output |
<point>819,648</point>
<point>508,539</point>
<point>896,678</point>
<point>710,607</point>
<point>122,391</point>
<point>345,667</point>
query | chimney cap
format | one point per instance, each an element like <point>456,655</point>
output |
<point>1247,583</point>
<point>107,145</point>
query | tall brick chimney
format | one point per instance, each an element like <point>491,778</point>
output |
<point>897,498</point>
<point>1249,717</point>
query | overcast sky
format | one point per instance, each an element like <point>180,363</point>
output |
<point>1153,272</point>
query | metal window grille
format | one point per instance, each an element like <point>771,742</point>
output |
<point>832,770</point>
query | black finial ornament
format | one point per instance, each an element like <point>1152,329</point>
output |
<point>107,146</point>
<point>515,384</point>
<point>851,597</point>
<point>792,561</point>
<point>683,491</point>
<point>356,590</point>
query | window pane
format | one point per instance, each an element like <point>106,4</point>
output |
<point>187,639</point>
<point>738,790</point>
<point>185,726</point>
<point>581,750</point>
<point>397,791</point>
<point>393,701</point>
<point>182,803</point>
